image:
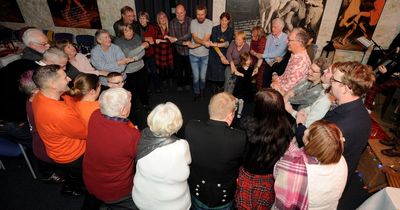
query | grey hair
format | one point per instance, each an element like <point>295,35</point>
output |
<point>99,33</point>
<point>165,120</point>
<point>29,36</point>
<point>53,54</point>
<point>279,21</point>
<point>302,36</point>
<point>113,100</point>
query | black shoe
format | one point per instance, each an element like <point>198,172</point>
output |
<point>391,152</point>
<point>54,178</point>
<point>70,191</point>
<point>387,142</point>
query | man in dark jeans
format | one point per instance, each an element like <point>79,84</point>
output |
<point>180,33</point>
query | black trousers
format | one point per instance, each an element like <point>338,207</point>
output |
<point>183,69</point>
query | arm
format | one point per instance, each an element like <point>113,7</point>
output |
<point>100,62</point>
<point>317,110</point>
<point>138,52</point>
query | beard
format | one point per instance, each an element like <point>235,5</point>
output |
<point>201,20</point>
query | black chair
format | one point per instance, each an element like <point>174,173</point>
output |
<point>85,43</point>
<point>64,36</point>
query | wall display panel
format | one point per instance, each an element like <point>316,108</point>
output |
<point>75,13</point>
<point>10,12</point>
<point>357,18</point>
<point>295,13</point>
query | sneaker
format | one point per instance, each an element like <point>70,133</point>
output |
<point>391,152</point>
<point>54,178</point>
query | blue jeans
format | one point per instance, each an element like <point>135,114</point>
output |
<point>199,69</point>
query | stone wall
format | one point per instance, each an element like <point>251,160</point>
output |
<point>37,13</point>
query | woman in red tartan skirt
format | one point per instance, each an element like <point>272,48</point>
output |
<point>164,56</point>
<point>268,136</point>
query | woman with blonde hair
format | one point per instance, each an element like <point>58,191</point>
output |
<point>162,167</point>
<point>164,55</point>
<point>236,47</point>
<point>312,177</point>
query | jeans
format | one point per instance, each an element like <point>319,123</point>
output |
<point>199,68</point>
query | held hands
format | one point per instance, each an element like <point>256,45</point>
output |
<point>382,69</point>
<point>149,39</point>
<point>158,41</point>
<point>145,45</point>
<point>170,38</point>
<point>301,117</point>
<point>224,60</point>
<point>255,71</point>
<point>278,59</point>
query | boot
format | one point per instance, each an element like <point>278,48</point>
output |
<point>393,152</point>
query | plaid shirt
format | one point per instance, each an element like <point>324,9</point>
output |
<point>164,56</point>
<point>182,32</point>
<point>290,173</point>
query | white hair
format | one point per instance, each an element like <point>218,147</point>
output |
<point>52,55</point>
<point>165,120</point>
<point>30,36</point>
<point>279,21</point>
<point>113,100</point>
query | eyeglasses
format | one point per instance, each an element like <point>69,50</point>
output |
<point>292,40</point>
<point>335,80</point>
<point>41,44</point>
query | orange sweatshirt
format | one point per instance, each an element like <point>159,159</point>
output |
<point>60,127</point>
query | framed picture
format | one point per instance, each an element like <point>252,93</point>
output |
<point>356,19</point>
<point>75,13</point>
<point>295,13</point>
<point>9,11</point>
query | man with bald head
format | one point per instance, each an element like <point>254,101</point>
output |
<point>179,32</point>
<point>36,43</point>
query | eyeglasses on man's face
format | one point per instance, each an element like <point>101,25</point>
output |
<point>41,43</point>
<point>335,80</point>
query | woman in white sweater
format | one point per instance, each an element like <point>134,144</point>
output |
<point>162,167</point>
<point>312,177</point>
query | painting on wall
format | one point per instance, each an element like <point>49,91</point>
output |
<point>295,13</point>
<point>9,11</point>
<point>356,23</point>
<point>75,13</point>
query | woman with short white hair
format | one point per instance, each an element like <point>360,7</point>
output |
<point>163,160</point>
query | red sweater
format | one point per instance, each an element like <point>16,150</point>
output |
<point>108,164</point>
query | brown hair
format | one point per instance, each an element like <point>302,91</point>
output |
<point>126,9</point>
<point>325,142</point>
<point>225,15</point>
<point>259,30</point>
<point>244,56</point>
<point>61,44</point>
<point>322,63</point>
<point>358,77</point>
<point>201,7</point>
<point>121,29</point>
<point>83,84</point>
<point>113,74</point>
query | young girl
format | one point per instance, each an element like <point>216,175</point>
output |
<point>245,72</point>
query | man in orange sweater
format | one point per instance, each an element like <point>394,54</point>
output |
<point>60,127</point>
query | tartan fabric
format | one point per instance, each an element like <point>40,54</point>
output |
<point>164,56</point>
<point>254,192</point>
<point>392,83</point>
<point>149,31</point>
<point>290,173</point>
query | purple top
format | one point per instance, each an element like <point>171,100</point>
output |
<point>234,54</point>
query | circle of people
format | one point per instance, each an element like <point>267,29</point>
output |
<point>269,162</point>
